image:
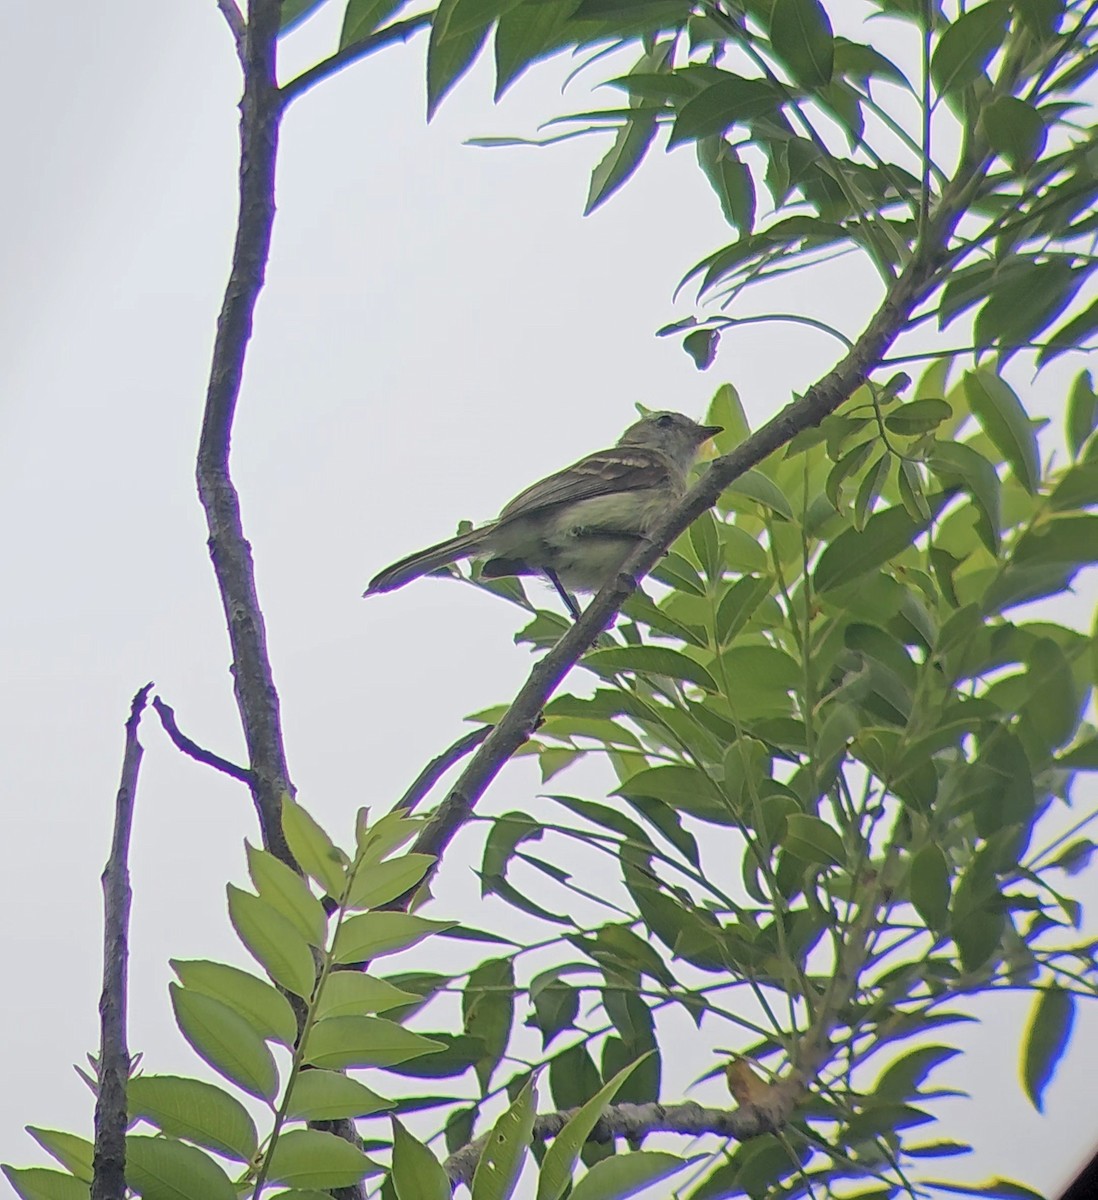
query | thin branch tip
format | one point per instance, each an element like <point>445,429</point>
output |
<point>234,18</point>
<point>192,749</point>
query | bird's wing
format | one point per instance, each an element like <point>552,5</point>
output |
<point>604,473</point>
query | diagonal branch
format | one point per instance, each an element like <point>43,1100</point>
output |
<point>113,1064</point>
<point>235,21</point>
<point>253,679</point>
<point>191,748</point>
<point>399,31</point>
<point>918,279</point>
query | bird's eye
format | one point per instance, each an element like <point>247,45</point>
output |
<point>666,421</point>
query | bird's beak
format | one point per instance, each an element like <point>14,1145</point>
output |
<point>705,432</point>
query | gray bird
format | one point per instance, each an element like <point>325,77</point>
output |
<point>577,526</point>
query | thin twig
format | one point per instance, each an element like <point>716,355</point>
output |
<point>235,21</point>
<point>253,678</point>
<point>399,31</point>
<point>437,767</point>
<point>917,279</point>
<point>181,742</point>
<point>113,1064</point>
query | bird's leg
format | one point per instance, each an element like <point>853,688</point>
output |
<point>563,593</point>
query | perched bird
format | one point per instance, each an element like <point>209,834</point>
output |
<point>578,526</point>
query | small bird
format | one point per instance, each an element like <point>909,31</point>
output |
<point>577,526</point>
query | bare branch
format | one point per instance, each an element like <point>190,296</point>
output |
<point>113,1065</point>
<point>399,31</point>
<point>636,1120</point>
<point>919,277</point>
<point>235,21</point>
<point>256,696</point>
<point>181,742</point>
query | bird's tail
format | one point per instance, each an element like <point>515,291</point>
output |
<point>423,562</point>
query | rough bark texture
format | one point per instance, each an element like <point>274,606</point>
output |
<point>253,679</point>
<point>113,1066</point>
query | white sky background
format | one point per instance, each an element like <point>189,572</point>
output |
<point>440,327</point>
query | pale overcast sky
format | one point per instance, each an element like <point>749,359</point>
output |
<point>440,327</point>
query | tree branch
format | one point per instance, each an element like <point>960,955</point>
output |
<point>181,742</point>
<point>235,21</point>
<point>919,277</point>
<point>113,1064</point>
<point>253,679</point>
<point>766,1115</point>
<point>399,31</point>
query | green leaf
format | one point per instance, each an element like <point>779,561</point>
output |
<point>649,660</point>
<point>196,1111</point>
<point>488,1010</point>
<point>312,847</point>
<point>1071,335</point>
<point>330,1096</point>
<point>294,12</point>
<point>849,463</point>
<point>160,1168</point>
<point>284,890</point>
<point>265,1009</point>
<point>528,33</point>
<point>869,490</point>
<point>43,1183</point>
<point>855,552</point>
<point>994,1189</point>
<point>813,840</point>
<point>309,1158</point>
<point>801,36</point>
<point>1067,539</point>
<point>354,994</point>
<point>738,605</point>
<point>370,935</point>
<point>502,1159</point>
<point>912,492</point>
<point>1053,708</point>
<point>273,941</point>
<point>1082,412</point>
<point>417,1174</point>
<point>1076,489</point>
<point>555,1005</point>
<point>701,345</point>
<point>918,416</point>
<point>1047,1037</point>
<point>726,410</point>
<point>74,1153</point>
<point>754,485</point>
<point>902,1079</point>
<point>998,409</point>
<point>929,885</point>
<point>363,17</point>
<point>625,155</point>
<point>377,883</point>
<point>721,105</point>
<point>626,1174</point>
<point>958,464</point>
<point>226,1041</point>
<point>685,789</point>
<point>338,1042</point>
<point>450,55</point>
<point>965,49</point>
<point>1014,130</point>
<point>560,1159</point>
<point>730,178</point>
